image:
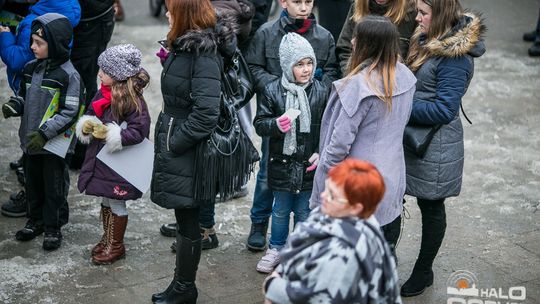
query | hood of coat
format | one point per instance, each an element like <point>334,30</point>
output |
<point>222,38</point>
<point>352,90</point>
<point>466,37</point>
<point>69,8</point>
<point>58,33</point>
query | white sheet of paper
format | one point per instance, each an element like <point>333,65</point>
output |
<point>59,145</point>
<point>292,113</point>
<point>134,163</point>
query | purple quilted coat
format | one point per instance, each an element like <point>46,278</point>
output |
<point>98,179</point>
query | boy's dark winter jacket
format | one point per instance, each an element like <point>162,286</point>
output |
<point>191,88</point>
<point>98,179</point>
<point>51,80</point>
<point>288,173</point>
<point>94,8</point>
<point>263,53</point>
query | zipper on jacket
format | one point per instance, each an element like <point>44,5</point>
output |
<point>169,133</point>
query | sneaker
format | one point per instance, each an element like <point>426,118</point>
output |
<point>209,240</point>
<point>52,240</point>
<point>16,164</point>
<point>168,230</point>
<point>16,206</point>
<point>534,51</point>
<point>269,261</point>
<point>29,232</point>
<point>242,193</point>
<point>529,36</point>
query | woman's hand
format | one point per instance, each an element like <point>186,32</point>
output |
<point>4,29</point>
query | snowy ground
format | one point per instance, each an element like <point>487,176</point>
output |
<point>492,229</point>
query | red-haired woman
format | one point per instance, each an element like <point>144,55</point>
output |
<point>339,255</point>
<point>190,84</point>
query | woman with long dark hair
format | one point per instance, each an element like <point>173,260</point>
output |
<point>367,112</point>
<point>400,12</point>
<point>190,84</point>
<point>441,56</point>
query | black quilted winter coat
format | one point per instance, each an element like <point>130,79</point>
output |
<point>191,87</point>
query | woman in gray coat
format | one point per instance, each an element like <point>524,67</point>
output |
<point>441,55</point>
<point>367,112</point>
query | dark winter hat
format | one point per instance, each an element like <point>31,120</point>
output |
<point>120,61</point>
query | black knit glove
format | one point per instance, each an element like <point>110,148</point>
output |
<point>36,141</point>
<point>11,108</point>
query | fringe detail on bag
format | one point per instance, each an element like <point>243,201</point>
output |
<point>224,174</point>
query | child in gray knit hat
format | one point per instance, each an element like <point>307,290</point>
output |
<point>290,114</point>
<point>117,117</point>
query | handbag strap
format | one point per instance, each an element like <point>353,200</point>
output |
<point>465,115</point>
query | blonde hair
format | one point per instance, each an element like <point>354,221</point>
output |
<point>396,12</point>
<point>125,95</point>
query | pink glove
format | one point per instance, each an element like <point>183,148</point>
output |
<point>284,123</point>
<point>314,160</point>
<point>162,54</point>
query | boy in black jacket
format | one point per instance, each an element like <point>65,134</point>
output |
<point>50,103</point>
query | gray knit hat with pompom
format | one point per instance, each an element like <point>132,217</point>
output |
<point>120,61</point>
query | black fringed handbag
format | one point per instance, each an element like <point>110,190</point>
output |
<point>224,162</point>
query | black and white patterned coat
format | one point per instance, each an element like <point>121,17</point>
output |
<point>333,260</point>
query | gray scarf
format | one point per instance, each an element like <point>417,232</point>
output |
<point>296,99</point>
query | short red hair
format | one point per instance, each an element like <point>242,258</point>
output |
<point>362,184</point>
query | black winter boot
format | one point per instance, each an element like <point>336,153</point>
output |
<point>391,232</point>
<point>257,236</point>
<point>433,229</point>
<point>182,289</point>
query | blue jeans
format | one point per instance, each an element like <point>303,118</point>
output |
<point>284,204</point>
<point>263,198</point>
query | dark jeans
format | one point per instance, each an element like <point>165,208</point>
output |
<point>90,39</point>
<point>207,213</point>
<point>263,198</point>
<point>433,230</point>
<point>332,15</point>
<point>187,221</point>
<point>47,186</point>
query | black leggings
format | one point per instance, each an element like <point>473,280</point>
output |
<point>187,221</point>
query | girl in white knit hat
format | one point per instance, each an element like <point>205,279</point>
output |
<point>290,115</point>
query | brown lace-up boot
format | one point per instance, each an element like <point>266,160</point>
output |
<point>105,215</point>
<point>114,248</point>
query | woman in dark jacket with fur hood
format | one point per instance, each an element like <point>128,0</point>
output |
<point>441,55</point>
<point>191,88</point>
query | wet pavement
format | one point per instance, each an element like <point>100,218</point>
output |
<point>493,226</point>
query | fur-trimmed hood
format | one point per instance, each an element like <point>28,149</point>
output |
<point>466,37</point>
<point>222,38</point>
